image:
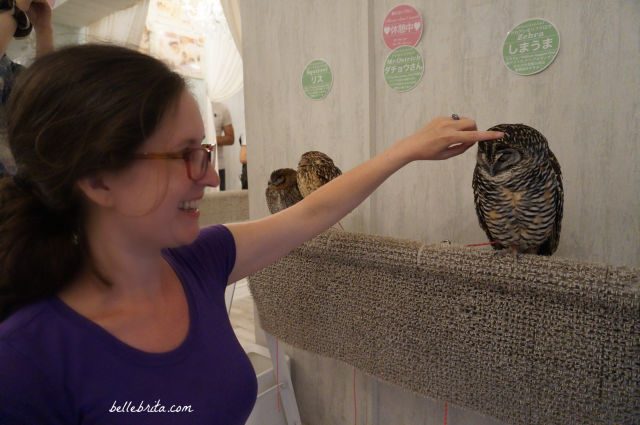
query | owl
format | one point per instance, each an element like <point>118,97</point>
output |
<point>517,188</point>
<point>282,190</point>
<point>314,170</point>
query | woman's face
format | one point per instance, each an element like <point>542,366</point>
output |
<point>154,199</point>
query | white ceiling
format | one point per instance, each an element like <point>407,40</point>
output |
<point>79,13</point>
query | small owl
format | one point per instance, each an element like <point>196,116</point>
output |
<point>282,190</point>
<point>517,188</point>
<point>314,170</point>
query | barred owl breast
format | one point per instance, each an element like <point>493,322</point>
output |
<point>517,186</point>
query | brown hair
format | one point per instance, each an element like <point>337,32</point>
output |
<point>74,112</point>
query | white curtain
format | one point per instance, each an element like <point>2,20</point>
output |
<point>124,27</point>
<point>222,64</point>
<point>232,13</point>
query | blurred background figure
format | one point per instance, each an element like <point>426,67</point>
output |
<point>224,136</point>
<point>243,160</point>
<point>17,20</point>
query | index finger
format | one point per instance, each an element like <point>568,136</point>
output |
<point>478,136</point>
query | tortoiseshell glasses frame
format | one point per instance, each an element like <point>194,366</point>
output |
<point>197,160</point>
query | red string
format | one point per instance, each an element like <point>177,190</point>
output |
<point>277,377</point>
<point>446,410</point>
<point>366,410</point>
<point>355,400</point>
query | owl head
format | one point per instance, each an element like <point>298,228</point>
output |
<point>520,148</point>
<point>282,190</point>
<point>282,178</point>
<point>315,159</point>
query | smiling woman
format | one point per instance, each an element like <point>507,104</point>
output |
<point>89,230</point>
<point>110,292</point>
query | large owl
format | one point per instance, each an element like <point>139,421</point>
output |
<point>282,190</point>
<point>314,170</point>
<point>517,187</point>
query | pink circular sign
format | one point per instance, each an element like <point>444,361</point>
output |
<point>402,26</point>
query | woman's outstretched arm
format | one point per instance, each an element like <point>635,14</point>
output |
<point>262,242</point>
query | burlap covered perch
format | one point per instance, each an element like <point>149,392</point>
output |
<point>528,340</point>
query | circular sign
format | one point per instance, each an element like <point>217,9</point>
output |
<point>531,47</point>
<point>402,26</point>
<point>317,79</point>
<point>403,68</point>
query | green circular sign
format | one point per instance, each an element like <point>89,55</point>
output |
<point>403,68</point>
<point>531,47</point>
<point>317,79</point>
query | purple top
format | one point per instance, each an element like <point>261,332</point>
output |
<point>58,367</point>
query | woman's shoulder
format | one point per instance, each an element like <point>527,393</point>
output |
<point>20,322</point>
<point>213,249</point>
<point>218,235</point>
<point>27,393</point>
<point>37,332</point>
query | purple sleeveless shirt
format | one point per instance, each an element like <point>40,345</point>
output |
<point>57,367</point>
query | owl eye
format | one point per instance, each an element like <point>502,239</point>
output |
<point>506,152</point>
<point>505,159</point>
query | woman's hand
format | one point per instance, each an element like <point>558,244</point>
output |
<point>444,138</point>
<point>39,14</point>
<point>23,4</point>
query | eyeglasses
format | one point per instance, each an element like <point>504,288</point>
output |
<point>197,159</point>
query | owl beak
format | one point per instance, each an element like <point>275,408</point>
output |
<point>492,172</point>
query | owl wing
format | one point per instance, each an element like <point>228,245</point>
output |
<point>551,244</point>
<point>476,184</point>
<point>304,181</point>
<point>272,199</point>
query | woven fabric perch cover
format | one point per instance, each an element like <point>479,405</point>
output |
<point>528,340</point>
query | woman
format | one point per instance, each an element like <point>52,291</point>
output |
<point>112,298</point>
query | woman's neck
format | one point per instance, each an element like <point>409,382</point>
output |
<point>119,270</point>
